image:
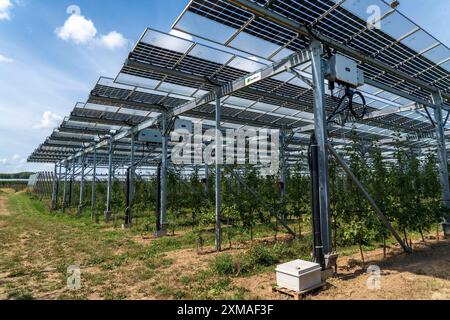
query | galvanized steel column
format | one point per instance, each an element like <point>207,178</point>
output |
<point>55,188</point>
<point>110,177</point>
<point>72,184</point>
<point>442,156</point>
<point>164,166</point>
<point>283,171</point>
<point>132,168</point>
<point>64,205</point>
<point>321,137</point>
<point>94,178</point>
<point>80,203</point>
<point>218,184</point>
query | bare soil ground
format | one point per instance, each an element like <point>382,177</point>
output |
<point>422,275</point>
<point>36,249</point>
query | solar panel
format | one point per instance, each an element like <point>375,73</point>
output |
<point>400,43</point>
<point>164,72</point>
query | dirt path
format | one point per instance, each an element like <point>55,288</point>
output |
<point>3,210</point>
<point>422,275</point>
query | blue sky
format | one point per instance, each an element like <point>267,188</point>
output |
<point>46,64</point>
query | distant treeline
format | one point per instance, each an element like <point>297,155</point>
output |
<point>21,175</point>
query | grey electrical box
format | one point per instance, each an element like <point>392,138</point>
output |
<point>183,125</point>
<point>299,275</point>
<point>153,136</point>
<point>345,71</point>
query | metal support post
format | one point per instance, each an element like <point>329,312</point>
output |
<point>80,203</point>
<point>164,166</point>
<point>132,168</point>
<point>72,184</point>
<point>158,201</point>
<point>315,202</point>
<point>130,186</point>
<point>218,184</point>
<point>127,222</point>
<point>55,188</point>
<point>58,185</point>
<point>283,184</point>
<point>321,137</point>
<point>442,156</point>
<point>110,180</point>
<point>94,178</point>
<point>66,169</point>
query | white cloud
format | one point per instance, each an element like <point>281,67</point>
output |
<point>14,164</point>
<point>18,159</point>
<point>5,7</point>
<point>77,29</point>
<point>81,30</point>
<point>113,40</point>
<point>49,120</point>
<point>5,59</point>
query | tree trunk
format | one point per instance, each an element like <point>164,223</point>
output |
<point>276,230</point>
<point>437,233</point>
<point>384,247</point>
<point>362,254</point>
<point>300,227</point>
<point>421,233</point>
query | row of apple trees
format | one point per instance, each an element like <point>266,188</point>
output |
<point>406,188</point>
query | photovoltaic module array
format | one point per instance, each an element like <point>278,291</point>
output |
<point>222,41</point>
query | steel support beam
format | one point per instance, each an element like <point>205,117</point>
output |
<point>80,202</point>
<point>158,202</point>
<point>64,205</point>
<point>132,168</point>
<point>60,178</point>
<point>442,156</point>
<point>218,185</point>
<point>130,186</point>
<point>94,181</point>
<point>164,165</point>
<point>110,181</point>
<point>55,188</point>
<point>322,140</point>
<point>283,181</point>
<point>72,184</point>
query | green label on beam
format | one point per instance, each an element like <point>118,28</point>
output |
<point>252,79</point>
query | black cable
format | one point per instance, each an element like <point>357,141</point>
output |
<point>348,98</point>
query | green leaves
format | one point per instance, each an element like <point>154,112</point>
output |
<point>407,190</point>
